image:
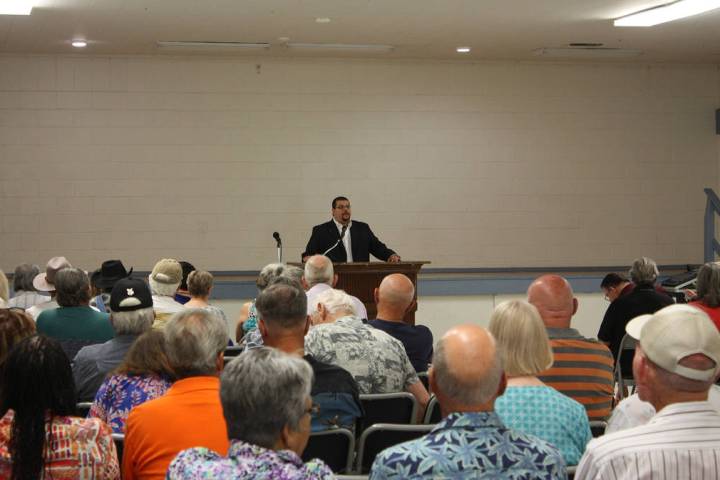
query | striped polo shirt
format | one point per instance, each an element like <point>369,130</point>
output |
<point>680,442</point>
<point>582,369</point>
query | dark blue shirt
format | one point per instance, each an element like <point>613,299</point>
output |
<point>417,339</point>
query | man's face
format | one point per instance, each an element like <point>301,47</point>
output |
<point>611,293</point>
<point>341,212</point>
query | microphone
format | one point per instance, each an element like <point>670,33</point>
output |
<point>276,236</point>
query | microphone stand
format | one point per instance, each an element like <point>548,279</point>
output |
<point>279,251</point>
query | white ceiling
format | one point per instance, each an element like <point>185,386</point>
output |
<point>495,29</point>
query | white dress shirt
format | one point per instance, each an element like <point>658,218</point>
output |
<point>25,300</point>
<point>346,239</point>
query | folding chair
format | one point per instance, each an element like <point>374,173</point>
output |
<point>400,407</point>
<point>425,379</point>
<point>623,378</point>
<point>597,427</point>
<point>335,447</point>
<point>119,440</point>
<point>381,436</point>
<point>432,414</point>
<point>571,469</point>
<point>83,408</point>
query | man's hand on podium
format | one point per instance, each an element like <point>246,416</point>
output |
<point>394,258</point>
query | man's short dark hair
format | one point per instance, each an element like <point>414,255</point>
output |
<point>613,280</point>
<point>282,304</point>
<point>73,287</point>
<point>337,199</point>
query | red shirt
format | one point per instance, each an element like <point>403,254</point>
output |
<point>713,313</point>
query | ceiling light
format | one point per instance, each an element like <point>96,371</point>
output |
<point>566,52</point>
<point>341,46</point>
<point>79,43</point>
<point>462,49</point>
<point>667,13</point>
<point>322,20</point>
<point>210,45</point>
<point>15,7</point>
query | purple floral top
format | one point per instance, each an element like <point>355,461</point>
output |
<point>118,394</point>
<point>247,462</point>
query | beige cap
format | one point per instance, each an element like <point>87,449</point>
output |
<point>167,271</point>
<point>674,333</point>
<point>45,282</point>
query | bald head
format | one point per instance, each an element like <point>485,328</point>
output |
<point>553,296</point>
<point>318,269</point>
<point>466,369</point>
<point>394,296</point>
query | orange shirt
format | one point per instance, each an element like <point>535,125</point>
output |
<point>188,415</point>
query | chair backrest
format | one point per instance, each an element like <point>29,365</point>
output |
<point>425,379</point>
<point>399,407</point>
<point>83,408</point>
<point>119,440</point>
<point>381,436</point>
<point>71,346</point>
<point>334,447</point>
<point>432,414</point>
<point>233,351</point>
<point>597,427</point>
<point>571,469</point>
<point>623,371</point>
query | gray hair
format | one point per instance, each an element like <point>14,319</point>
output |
<point>23,277</point>
<point>162,289</point>
<point>199,283</point>
<point>479,390</point>
<point>261,391</point>
<point>643,271</point>
<point>73,287</point>
<point>708,284</point>
<point>283,305</point>
<point>318,269</point>
<point>133,322</point>
<point>4,290</point>
<point>194,339</point>
<point>335,301</point>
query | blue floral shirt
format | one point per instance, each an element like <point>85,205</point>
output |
<point>471,445</point>
<point>247,462</point>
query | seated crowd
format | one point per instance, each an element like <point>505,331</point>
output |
<point>516,398</point>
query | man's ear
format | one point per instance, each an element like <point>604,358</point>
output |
<point>432,383</point>
<point>262,328</point>
<point>575,305</point>
<point>220,362</point>
<point>376,296</point>
<point>308,322</point>
<point>334,280</point>
<point>304,283</point>
<point>503,385</point>
<point>411,307</point>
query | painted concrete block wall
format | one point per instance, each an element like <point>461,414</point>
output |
<point>464,164</point>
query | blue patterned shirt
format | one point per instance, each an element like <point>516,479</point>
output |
<point>471,445</point>
<point>247,462</point>
<point>544,412</point>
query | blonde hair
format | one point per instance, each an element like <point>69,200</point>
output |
<point>4,288</point>
<point>521,338</point>
<point>199,283</point>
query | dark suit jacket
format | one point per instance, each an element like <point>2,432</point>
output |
<point>363,240</point>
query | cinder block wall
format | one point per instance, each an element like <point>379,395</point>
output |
<point>465,164</point>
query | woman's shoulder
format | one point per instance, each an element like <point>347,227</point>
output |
<point>80,429</point>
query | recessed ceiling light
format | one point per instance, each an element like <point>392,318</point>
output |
<point>462,49</point>
<point>322,20</point>
<point>667,13</point>
<point>16,7</point>
<point>79,43</point>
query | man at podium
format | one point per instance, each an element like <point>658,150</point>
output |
<point>344,240</point>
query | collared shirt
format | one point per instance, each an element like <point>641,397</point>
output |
<point>77,448</point>
<point>376,360</point>
<point>94,362</point>
<point>120,393</point>
<point>681,441</point>
<point>247,462</point>
<point>417,340</point>
<point>470,445</point>
<point>25,300</point>
<point>188,415</point>
<point>582,369</point>
<point>347,241</point>
<point>316,290</point>
<point>164,307</point>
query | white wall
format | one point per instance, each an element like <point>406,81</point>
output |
<point>464,164</point>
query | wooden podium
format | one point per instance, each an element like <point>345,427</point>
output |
<point>361,279</point>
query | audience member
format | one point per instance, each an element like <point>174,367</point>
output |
<point>25,295</point>
<point>615,285</point>
<point>39,436</point>
<point>189,414</point>
<point>182,295</point>
<point>45,282</point>
<point>283,324</point>
<point>144,375</point>
<point>74,323</point>
<point>471,441</point>
<point>319,275</point>
<point>103,280</point>
<point>199,286</point>
<point>266,402</point>
<point>708,291</point>
<point>164,280</point>
<point>643,299</point>
<point>582,368</point>
<point>376,360</point>
<point>4,290</point>
<point>247,333</point>
<point>528,404</point>
<point>394,299</point>
<point>131,314</point>
<point>676,362</point>
<point>14,326</point>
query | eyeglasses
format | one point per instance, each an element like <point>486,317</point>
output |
<point>342,207</point>
<point>314,410</point>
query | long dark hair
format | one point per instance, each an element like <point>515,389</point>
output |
<point>37,384</point>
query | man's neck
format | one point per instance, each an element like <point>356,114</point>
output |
<point>683,397</point>
<point>290,344</point>
<point>389,315</point>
